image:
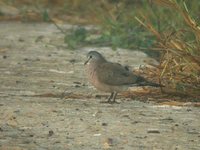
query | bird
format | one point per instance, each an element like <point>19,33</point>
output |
<point>111,77</point>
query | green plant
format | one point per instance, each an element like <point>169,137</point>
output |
<point>76,37</point>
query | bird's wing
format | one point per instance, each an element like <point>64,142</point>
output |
<point>115,74</point>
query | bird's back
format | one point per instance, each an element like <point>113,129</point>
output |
<point>115,74</point>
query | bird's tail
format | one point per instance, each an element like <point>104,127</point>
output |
<point>148,83</point>
<point>143,82</point>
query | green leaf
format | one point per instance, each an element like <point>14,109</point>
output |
<point>46,16</point>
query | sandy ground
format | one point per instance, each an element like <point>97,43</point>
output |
<point>36,68</point>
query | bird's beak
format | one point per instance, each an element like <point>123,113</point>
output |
<point>86,61</point>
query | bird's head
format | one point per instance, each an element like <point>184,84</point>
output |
<point>94,56</point>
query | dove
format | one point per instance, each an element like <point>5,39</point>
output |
<point>111,77</point>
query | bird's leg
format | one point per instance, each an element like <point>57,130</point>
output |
<point>113,97</point>
<point>110,97</point>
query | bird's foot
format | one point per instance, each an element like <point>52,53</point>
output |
<point>111,99</point>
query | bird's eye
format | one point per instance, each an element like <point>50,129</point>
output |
<point>90,56</point>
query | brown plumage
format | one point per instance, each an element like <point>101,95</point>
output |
<point>111,77</point>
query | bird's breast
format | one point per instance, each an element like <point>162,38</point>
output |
<point>91,73</point>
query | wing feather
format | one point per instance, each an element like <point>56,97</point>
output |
<point>115,74</point>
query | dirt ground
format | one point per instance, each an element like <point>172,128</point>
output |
<point>36,68</point>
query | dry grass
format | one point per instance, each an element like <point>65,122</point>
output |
<point>179,66</point>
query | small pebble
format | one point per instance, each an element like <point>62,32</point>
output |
<point>98,96</point>
<point>126,116</point>
<point>168,118</point>
<point>51,132</point>
<point>134,122</point>
<point>76,82</point>
<point>104,124</point>
<point>4,57</point>
<point>77,86</point>
<point>21,40</point>
<point>153,131</point>
<point>17,82</point>
<point>83,84</point>
<point>72,61</point>
<point>141,137</point>
<point>26,59</point>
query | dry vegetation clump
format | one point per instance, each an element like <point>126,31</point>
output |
<point>179,67</point>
